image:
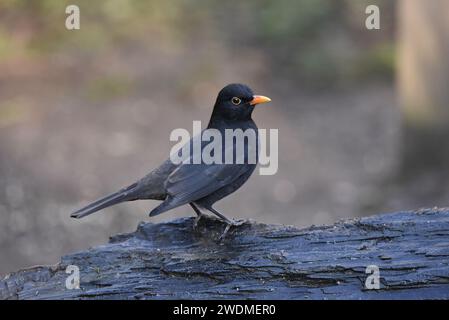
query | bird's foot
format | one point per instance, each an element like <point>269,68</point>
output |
<point>223,235</point>
<point>229,224</point>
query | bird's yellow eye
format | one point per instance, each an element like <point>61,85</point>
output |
<point>236,101</point>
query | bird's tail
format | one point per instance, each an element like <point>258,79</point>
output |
<point>126,194</point>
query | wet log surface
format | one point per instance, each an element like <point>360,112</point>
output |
<point>256,261</point>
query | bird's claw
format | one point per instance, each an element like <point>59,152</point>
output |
<point>223,235</point>
<point>229,224</point>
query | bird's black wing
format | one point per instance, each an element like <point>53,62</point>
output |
<point>192,182</point>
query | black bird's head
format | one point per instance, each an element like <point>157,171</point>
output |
<point>236,102</point>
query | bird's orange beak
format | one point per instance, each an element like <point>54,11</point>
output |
<point>259,99</point>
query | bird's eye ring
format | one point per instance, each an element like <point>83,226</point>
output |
<point>236,101</point>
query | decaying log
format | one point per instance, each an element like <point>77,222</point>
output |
<point>257,261</point>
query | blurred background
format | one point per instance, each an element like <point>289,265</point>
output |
<point>362,114</point>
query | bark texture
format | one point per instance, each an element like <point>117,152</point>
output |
<point>257,261</point>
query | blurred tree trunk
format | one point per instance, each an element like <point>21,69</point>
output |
<point>423,83</point>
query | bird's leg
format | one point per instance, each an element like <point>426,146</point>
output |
<point>199,214</point>
<point>228,221</point>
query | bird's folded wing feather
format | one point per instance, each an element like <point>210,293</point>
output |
<point>191,182</point>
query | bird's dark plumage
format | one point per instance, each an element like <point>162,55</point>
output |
<point>202,184</point>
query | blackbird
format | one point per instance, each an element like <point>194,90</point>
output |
<point>200,185</point>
